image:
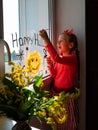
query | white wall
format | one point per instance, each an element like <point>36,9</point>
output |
<point>71,14</point>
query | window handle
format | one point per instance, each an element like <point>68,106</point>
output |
<point>7,48</point>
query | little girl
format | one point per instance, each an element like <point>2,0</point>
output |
<point>63,69</point>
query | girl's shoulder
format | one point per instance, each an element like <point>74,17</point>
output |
<point>71,55</point>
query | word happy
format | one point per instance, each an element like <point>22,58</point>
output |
<point>26,40</point>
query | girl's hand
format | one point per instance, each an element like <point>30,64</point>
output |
<point>44,36</point>
<point>49,61</point>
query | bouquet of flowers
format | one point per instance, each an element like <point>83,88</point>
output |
<point>20,102</point>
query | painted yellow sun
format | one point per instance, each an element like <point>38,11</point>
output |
<point>33,62</point>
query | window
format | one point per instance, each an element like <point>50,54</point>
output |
<point>22,21</point>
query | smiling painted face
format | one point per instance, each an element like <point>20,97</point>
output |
<point>33,62</point>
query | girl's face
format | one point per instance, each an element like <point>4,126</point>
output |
<point>63,44</point>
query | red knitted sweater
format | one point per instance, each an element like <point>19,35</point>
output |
<point>64,70</point>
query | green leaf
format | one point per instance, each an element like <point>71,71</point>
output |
<point>38,81</point>
<point>9,111</point>
<point>27,104</point>
<point>13,113</point>
<point>9,83</point>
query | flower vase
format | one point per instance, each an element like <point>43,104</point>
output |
<point>21,125</point>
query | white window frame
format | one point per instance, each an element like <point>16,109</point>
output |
<point>51,22</point>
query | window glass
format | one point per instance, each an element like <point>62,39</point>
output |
<point>22,21</point>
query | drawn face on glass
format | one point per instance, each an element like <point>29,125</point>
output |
<point>33,62</point>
